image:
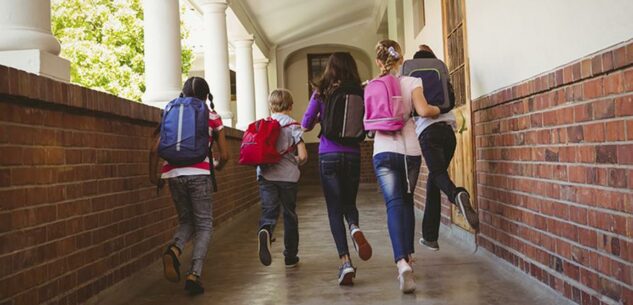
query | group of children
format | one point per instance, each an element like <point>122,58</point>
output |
<point>427,131</point>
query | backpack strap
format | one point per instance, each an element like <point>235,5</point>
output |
<point>292,147</point>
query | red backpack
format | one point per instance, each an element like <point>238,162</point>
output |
<point>259,143</point>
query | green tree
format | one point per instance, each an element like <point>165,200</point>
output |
<point>103,39</point>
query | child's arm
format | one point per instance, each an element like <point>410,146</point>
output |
<point>311,115</point>
<point>422,107</point>
<point>223,147</point>
<point>302,153</point>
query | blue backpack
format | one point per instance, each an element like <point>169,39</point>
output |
<point>184,132</point>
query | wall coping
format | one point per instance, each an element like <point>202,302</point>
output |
<point>43,90</point>
<point>616,57</point>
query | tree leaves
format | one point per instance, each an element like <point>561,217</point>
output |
<point>103,39</point>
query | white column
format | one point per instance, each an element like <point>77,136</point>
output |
<point>216,56</point>
<point>26,41</point>
<point>244,82</point>
<point>261,88</point>
<point>163,63</point>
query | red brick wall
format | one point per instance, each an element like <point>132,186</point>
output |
<point>555,176</point>
<point>310,171</point>
<point>77,213</point>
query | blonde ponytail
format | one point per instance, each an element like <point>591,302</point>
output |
<point>388,52</point>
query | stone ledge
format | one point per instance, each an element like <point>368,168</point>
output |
<point>20,84</point>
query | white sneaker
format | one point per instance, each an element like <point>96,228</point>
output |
<point>407,280</point>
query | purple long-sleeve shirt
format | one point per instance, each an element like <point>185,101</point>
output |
<point>312,117</point>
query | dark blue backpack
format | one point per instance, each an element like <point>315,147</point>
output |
<point>435,80</point>
<point>184,132</point>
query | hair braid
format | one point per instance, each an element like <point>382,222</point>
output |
<point>388,52</point>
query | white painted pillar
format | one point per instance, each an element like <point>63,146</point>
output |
<point>244,82</point>
<point>163,61</point>
<point>261,88</point>
<point>216,56</point>
<point>26,41</point>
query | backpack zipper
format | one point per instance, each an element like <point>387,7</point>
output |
<point>180,114</point>
<point>345,116</point>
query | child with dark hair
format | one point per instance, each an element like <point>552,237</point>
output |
<point>339,165</point>
<point>437,141</point>
<point>191,188</point>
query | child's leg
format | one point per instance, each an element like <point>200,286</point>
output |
<point>389,168</point>
<point>200,192</point>
<point>413,168</point>
<point>270,201</point>
<point>288,192</point>
<point>331,181</point>
<point>432,212</point>
<point>438,146</point>
<point>182,202</point>
<point>349,187</point>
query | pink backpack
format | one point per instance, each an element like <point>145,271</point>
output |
<point>384,110</point>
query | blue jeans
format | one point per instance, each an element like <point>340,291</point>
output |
<point>340,175</point>
<point>192,199</point>
<point>391,174</point>
<point>276,195</point>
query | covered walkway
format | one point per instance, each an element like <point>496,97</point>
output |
<point>233,274</point>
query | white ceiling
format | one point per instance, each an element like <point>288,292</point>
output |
<point>284,21</point>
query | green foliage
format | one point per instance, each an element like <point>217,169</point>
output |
<point>103,39</point>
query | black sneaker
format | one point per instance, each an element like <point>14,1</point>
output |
<point>346,274</point>
<point>194,287</point>
<point>171,265</point>
<point>291,262</point>
<point>263,247</point>
<point>463,202</point>
<point>433,245</point>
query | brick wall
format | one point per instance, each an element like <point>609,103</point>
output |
<point>555,176</point>
<point>310,171</point>
<point>77,213</point>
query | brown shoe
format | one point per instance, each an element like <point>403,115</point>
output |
<point>361,244</point>
<point>171,265</point>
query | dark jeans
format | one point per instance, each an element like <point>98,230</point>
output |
<point>438,146</point>
<point>276,195</point>
<point>192,199</point>
<point>340,175</point>
<point>391,174</point>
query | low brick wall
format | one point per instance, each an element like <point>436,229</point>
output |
<point>555,176</point>
<point>77,213</point>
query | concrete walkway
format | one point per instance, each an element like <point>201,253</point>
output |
<point>234,275</point>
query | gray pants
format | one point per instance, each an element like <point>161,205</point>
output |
<point>192,199</point>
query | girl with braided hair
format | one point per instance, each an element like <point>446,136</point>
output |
<point>397,159</point>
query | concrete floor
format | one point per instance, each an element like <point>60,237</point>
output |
<point>234,275</point>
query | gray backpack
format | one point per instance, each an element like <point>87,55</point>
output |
<point>435,80</point>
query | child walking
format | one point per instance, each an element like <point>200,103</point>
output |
<point>437,140</point>
<point>191,188</point>
<point>397,159</point>
<point>339,163</point>
<point>278,182</point>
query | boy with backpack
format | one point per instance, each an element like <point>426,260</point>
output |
<point>437,141</point>
<point>185,144</point>
<point>277,173</point>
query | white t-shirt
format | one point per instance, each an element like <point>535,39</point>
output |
<point>404,141</point>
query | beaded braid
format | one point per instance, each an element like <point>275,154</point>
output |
<point>388,53</point>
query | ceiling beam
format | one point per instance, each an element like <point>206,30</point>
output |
<point>244,15</point>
